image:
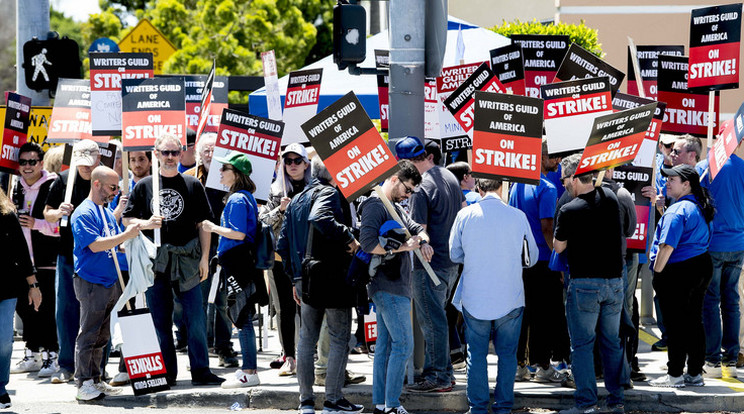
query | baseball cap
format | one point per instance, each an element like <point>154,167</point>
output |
<point>409,147</point>
<point>296,148</point>
<point>667,139</point>
<point>238,160</point>
<point>85,153</point>
<point>684,171</point>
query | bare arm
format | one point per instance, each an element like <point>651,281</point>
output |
<point>662,257</point>
<point>546,226</point>
<point>54,215</point>
<point>107,243</point>
<point>204,239</point>
<point>222,231</point>
<point>559,246</point>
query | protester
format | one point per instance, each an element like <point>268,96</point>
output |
<point>317,226</point>
<point>42,239</point>
<point>491,235</point>
<point>589,229</point>
<point>434,205</point>
<point>687,150</point>
<point>187,160</point>
<point>19,279</point>
<point>721,312</point>
<point>544,330</point>
<point>237,230</point>
<point>219,327</point>
<point>53,159</point>
<point>390,286</point>
<point>682,270</point>
<point>464,175</point>
<point>85,156</point>
<point>97,234</point>
<point>182,260</point>
<point>293,177</point>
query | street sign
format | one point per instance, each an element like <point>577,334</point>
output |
<point>146,38</point>
<point>103,45</point>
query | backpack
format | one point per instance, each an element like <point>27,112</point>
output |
<point>263,242</point>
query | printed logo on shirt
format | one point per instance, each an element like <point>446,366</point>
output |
<point>171,204</point>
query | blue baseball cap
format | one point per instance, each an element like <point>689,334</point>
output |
<point>409,147</point>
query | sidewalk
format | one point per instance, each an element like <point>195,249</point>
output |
<point>282,392</point>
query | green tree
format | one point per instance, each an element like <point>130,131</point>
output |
<point>65,26</point>
<point>580,34</point>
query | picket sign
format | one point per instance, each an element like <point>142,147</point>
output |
<point>600,177</point>
<point>711,114</point>
<point>68,189</point>
<point>156,194</point>
<point>396,217</point>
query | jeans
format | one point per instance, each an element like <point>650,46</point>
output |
<point>339,327</point>
<point>593,308</point>
<point>478,332</point>
<point>160,299</point>
<point>721,305</point>
<point>247,337</point>
<point>219,327</point>
<point>393,348</point>
<point>430,303</point>
<point>323,349</point>
<point>7,307</point>
<point>68,314</point>
<point>681,288</point>
<point>96,304</point>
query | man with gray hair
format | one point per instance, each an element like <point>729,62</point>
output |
<point>316,245</point>
<point>182,259</point>
<point>687,150</point>
<point>589,229</point>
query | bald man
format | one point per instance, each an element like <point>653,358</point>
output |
<point>96,235</point>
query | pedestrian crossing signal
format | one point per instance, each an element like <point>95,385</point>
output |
<point>45,61</point>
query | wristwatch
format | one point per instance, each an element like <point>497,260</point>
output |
<point>423,242</point>
<point>390,252</point>
<point>33,285</point>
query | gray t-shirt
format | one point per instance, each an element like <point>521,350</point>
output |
<point>436,204</point>
<point>374,215</point>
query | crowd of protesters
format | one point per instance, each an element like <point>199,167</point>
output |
<point>541,270</point>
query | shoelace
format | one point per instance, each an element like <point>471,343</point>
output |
<point>47,363</point>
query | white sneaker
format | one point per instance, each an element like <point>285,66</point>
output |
<point>711,370</point>
<point>107,389</point>
<point>668,381</point>
<point>62,377</point>
<point>397,410</point>
<point>119,380</point>
<point>289,367</point>
<point>241,380</point>
<point>31,362</point>
<point>523,374</point>
<point>89,392</point>
<point>729,370</point>
<point>48,365</point>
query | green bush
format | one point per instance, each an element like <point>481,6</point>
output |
<point>580,34</point>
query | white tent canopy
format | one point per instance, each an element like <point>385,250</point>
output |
<point>335,83</point>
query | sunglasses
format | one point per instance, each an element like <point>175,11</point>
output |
<point>171,153</point>
<point>295,161</point>
<point>226,167</point>
<point>668,146</point>
<point>676,152</point>
<point>28,162</point>
<point>113,187</point>
<point>409,190</point>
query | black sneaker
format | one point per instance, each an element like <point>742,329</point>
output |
<point>5,401</point>
<point>352,378</point>
<point>429,386</point>
<point>306,407</point>
<point>341,406</point>
<point>227,359</point>
<point>181,347</point>
<point>206,378</point>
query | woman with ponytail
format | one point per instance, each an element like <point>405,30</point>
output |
<point>682,270</point>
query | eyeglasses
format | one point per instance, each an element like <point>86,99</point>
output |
<point>676,151</point>
<point>113,187</point>
<point>563,180</point>
<point>668,146</point>
<point>170,153</point>
<point>32,162</point>
<point>409,190</point>
<point>295,161</point>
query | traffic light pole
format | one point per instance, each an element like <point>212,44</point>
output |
<point>407,63</point>
<point>32,19</point>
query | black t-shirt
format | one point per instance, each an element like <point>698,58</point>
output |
<point>590,223</point>
<point>56,196</point>
<point>183,205</point>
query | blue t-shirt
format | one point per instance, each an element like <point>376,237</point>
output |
<point>660,179</point>
<point>555,178</point>
<point>537,202</point>
<point>239,215</point>
<point>727,191</point>
<point>683,227</point>
<point>87,227</point>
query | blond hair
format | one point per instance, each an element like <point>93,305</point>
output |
<point>6,206</point>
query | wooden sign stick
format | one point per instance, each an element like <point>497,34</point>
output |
<point>396,217</point>
<point>156,194</point>
<point>68,189</point>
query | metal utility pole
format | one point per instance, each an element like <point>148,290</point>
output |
<point>407,61</point>
<point>32,19</point>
